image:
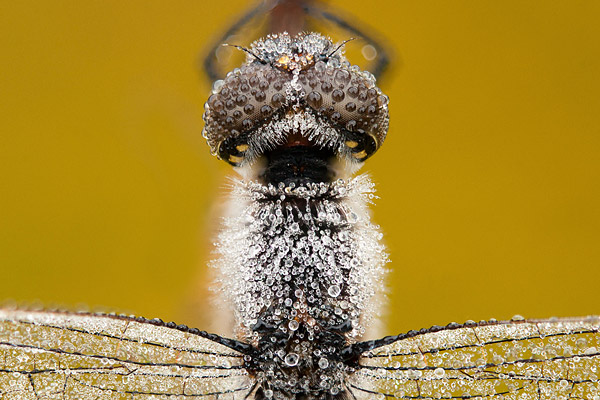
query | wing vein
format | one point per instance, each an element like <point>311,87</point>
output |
<point>104,357</point>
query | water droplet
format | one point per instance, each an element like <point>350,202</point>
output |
<point>334,290</point>
<point>353,91</point>
<point>342,77</point>
<point>323,363</point>
<point>563,384</point>
<point>320,67</point>
<point>293,325</point>
<point>314,100</point>
<point>337,95</point>
<point>414,373</point>
<point>217,85</point>
<point>291,359</point>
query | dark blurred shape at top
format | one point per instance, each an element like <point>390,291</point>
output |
<point>294,16</point>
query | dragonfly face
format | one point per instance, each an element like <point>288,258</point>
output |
<point>296,105</point>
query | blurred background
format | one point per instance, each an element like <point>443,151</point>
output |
<point>488,181</point>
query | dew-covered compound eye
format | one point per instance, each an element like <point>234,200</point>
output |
<point>297,87</point>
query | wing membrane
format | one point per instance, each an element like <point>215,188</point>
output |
<point>53,355</point>
<point>537,359</point>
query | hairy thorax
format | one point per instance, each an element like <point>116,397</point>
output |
<point>301,266</point>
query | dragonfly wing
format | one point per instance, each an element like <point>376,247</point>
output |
<point>56,355</point>
<point>525,359</point>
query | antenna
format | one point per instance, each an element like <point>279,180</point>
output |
<point>245,50</point>
<point>340,46</point>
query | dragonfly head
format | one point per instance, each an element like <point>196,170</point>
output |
<point>296,92</point>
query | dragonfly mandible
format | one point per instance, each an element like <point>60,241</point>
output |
<point>301,267</point>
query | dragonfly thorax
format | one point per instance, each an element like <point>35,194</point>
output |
<point>301,255</point>
<point>301,266</point>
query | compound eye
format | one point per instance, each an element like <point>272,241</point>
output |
<point>246,99</point>
<point>349,102</point>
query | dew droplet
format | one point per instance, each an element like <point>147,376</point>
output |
<point>293,325</point>
<point>337,95</point>
<point>326,87</point>
<point>342,77</point>
<point>334,290</point>
<point>248,108</point>
<point>277,100</point>
<point>218,85</point>
<point>314,99</point>
<point>241,100</point>
<point>320,67</point>
<point>291,359</point>
<point>266,110</point>
<point>323,363</point>
<point>563,384</point>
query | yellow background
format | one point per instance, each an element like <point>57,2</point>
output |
<point>489,178</point>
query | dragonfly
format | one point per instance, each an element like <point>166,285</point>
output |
<point>300,266</point>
